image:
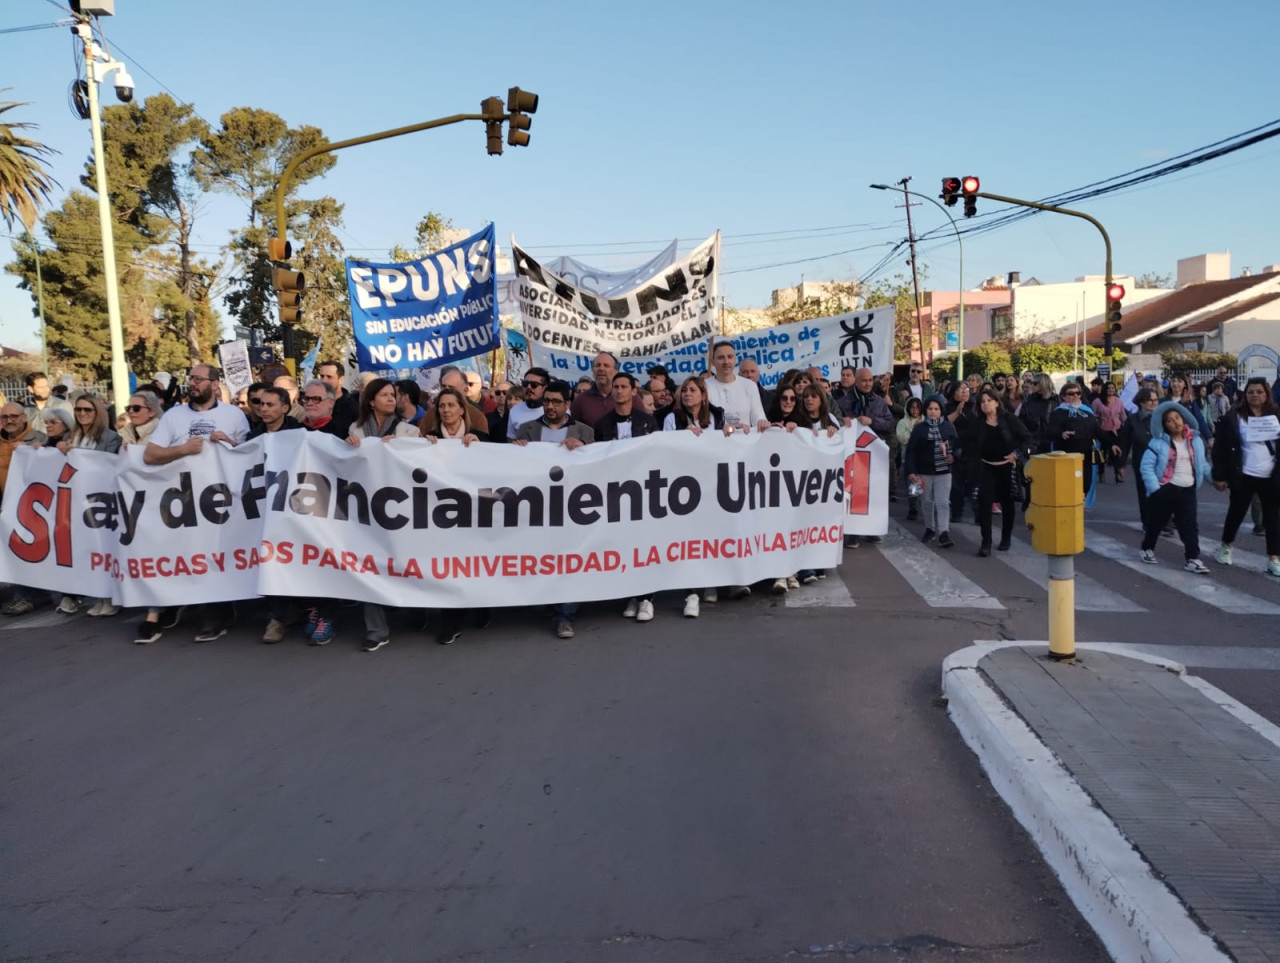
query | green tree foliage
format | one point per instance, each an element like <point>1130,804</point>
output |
<point>25,182</point>
<point>1151,279</point>
<point>245,158</point>
<point>431,234</point>
<point>993,356</point>
<point>1176,360</point>
<point>899,292</point>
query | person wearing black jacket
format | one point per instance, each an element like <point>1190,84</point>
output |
<point>628,420</point>
<point>999,442</point>
<point>1249,469</point>
<point>1134,436</point>
<point>273,412</point>
<point>1074,428</point>
<point>960,413</point>
<point>928,461</point>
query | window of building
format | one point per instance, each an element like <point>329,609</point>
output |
<point>1002,322</point>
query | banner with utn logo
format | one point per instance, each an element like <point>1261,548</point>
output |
<point>428,312</point>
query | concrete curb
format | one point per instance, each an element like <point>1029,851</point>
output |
<point>1136,916</point>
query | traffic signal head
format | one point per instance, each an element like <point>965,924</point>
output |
<point>289,286</point>
<point>1115,294</point>
<point>491,107</point>
<point>969,187</point>
<point>278,249</point>
<point>950,190</point>
<point>520,104</point>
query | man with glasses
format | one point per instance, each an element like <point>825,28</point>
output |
<point>498,417</point>
<point>1073,427</point>
<point>318,399</point>
<point>555,425</point>
<point>15,430</point>
<point>534,384</point>
<point>182,431</point>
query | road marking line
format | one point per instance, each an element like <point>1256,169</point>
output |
<point>1091,595</point>
<point>934,579</point>
<point>1240,558</point>
<point>1201,588</point>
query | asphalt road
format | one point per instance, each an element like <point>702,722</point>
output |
<point>764,783</point>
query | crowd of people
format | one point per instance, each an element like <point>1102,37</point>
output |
<point>960,446</point>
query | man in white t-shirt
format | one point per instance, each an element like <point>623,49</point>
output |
<point>184,428</point>
<point>739,397</point>
<point>182,431</point>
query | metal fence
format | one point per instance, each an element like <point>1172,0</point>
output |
<point>15,388</point>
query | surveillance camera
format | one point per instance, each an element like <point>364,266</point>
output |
<point>124,87</point>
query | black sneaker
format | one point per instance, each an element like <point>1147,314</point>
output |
<point>211,633</point>
<point>928,536</point>
<point>146,633</point>
<point>944,540</point>
<point>852,541</point>
<point>373,645</point>
<point>872,538</point>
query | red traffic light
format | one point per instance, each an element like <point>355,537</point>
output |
<point>970,185</point>
<point>1115,292</point>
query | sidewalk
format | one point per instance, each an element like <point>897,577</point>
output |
<point>1154,795</point>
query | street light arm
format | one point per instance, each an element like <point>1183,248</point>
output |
<point>1106,238</point>
<point>283,186</point>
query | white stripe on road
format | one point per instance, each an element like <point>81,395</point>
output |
<point>1201,588</point>
<point>1240,558</point>
<point>828,593</point>
<point>935,579</point>
<point>1091,595</point>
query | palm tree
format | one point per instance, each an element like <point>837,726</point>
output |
<point>24,176</point>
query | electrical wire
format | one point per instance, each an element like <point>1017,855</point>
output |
<point>34,26</point>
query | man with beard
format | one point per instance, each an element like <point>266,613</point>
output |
<point>593,404</point>
<point>182,431</point>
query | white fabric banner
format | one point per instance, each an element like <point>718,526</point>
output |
<point>233,358</point>
<point>580,274</point>
<point>409,523</point>
<point>675,307</point>
<point>866,482</point>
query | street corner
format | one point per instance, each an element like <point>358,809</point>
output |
<point>1135,914</point>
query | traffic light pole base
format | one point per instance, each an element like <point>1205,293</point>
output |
<point>1062,607</point>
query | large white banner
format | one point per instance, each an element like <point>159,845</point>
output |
<point>863,339</point>
<point>409,523</point>
<point>675,307</point>
<point>583,275</point>
<point>866,482</point>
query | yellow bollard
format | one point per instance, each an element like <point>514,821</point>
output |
<point>1056,520</point>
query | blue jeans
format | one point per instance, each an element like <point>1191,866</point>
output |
<point>564,612</point>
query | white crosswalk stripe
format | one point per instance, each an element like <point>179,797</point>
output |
<point>935,579</point>
<point>1240,558</point>
<point>1091,595</point>
<point>1202,588</point>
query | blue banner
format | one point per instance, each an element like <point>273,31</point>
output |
<point>440,308</point>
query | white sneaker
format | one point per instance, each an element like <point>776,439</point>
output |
<point>779,586</point>
<point>1223,555</point>
<point>645,612</point>
<point>709,596</point>
<point>1196,566</point>
<point>633,609</point>
<point>1273,567</point>
<point>103,608</point>
<point>793,582</point>
<point>69,605</point>
<point>94,610</point>
<point>1149,557</point>
<point>691,605</point>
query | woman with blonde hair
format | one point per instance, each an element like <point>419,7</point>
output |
<point>142,414</point>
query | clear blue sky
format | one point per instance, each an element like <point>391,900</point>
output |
<point>662,119</point>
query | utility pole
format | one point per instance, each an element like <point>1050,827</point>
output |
<point>915,275</point>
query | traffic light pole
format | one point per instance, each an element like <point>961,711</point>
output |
<point>1106,239</point>
<point>277,249</point>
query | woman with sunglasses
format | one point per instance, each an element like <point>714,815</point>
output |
<point>142,414</point>
<point>783,411</point>
<point>1074,428</point>
<point>91,429</point>
<point>1109,410</point>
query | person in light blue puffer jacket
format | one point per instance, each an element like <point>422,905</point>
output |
<point>1173,467</point>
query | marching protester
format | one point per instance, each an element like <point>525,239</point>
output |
<point>694,412</point>
<point>914,415</point>
<point>960,413</point>
<point>501,406</point>
<point>452,377</point>
<point>1173,467</point>
<point>377,416</point>
<point>16,431</point>
<point>628,420</point>
<point>58,425</point>
<point>142,416</point>
<point>318,403</point>
<point>290,385</point>
<point>914,387</point>
<point>1073,428</point>
<point>1135,436</point>
<point>1000,442</point>
<point>91,433</point>
<point>595,401</point>
<point>1109,410</point>
<point>784,411</point>
<point>183,431</point>
<point>450,410</point>
<point>1230,387</point>
<point>737,397</point>
<point>930,455</point>
<point>1180,391</point>
<point>1249,469</point>
<point>39,398</point>
<point>408,394</point>
<point>815,414</point>
<point>534,383</point>
<point>556,426</point>
<point>274,414</point>
<point>346,405</point>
